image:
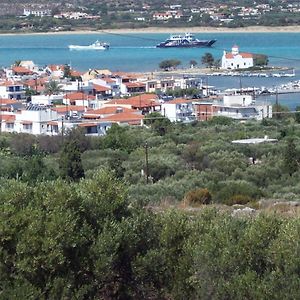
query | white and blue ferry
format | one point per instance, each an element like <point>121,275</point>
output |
<point>185,41</point>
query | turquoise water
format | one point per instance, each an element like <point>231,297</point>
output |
<point>137,52</point>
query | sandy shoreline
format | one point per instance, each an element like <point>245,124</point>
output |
<point>253,29</point>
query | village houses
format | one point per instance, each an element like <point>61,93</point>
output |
<point>99,98</point>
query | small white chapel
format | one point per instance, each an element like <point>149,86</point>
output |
<point>237,60</point>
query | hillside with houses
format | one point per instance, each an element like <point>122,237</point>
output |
<point>170,184</point>
<point>54,98</point>
<point>110,190</point>
<point>71,15</point>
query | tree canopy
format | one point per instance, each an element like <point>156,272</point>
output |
<point>210,224</point>
<point>208,60</point>
<point>169,64</point>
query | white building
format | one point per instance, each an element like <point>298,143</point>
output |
<point>37,12</point>
<point>243,107</point>
<point>238,100</point>
<point>12,90</point>
<point>33,120</point>
<point>178,110</point>
<point>237,60</point>
<point>162,16</point>
<point>30,65</point>
<point>45,100</point>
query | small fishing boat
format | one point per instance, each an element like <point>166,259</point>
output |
<point>95,46</point>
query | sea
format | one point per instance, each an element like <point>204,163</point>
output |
<point>136,52</point>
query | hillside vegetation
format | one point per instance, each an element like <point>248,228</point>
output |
<point>110,235</point>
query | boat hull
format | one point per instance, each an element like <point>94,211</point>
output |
<point>75,47</point>
<point>187,45</point>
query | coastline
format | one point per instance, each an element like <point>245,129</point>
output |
<point>250,29</point>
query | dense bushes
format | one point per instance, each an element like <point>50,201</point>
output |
<point>83,241</point>
<point>183,158</point>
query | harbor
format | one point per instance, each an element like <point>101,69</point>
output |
<point>137,53</point>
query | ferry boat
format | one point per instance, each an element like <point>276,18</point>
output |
<point>95,46</point>
<point>187,40</point>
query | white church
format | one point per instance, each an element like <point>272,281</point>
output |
<point>236,59</point>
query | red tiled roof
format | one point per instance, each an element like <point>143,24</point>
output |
<point>100,88</point>
<point>139,104</point>
<point>140,101</point>
<point>134,84</point>
<point>124,117</point>
<point>243,55</point>
<point>7,101</point>
<point>145,97</point>
<point>76,73</point>
<point>10,83</point>
<point>66,108</point>
<point>38,81</point>
<point>20,69</point>
<point>87,124</point>
<point>75,96</point>
<point>110,110</point>
<point>126,75</point>
<point>8,118</point>
<point>56,67</point>
<point>108,80</point>
<point>78,96</point>
<point>229,56</point>
<point>26,122</point>
<point>53,123</point>
<point>246,55</point>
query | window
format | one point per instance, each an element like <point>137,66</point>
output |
<point>9,125</point>
<point>27,127</point>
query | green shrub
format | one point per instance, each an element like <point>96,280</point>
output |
<point>224,191</point>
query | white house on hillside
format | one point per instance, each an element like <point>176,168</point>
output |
<point>33,120</point>
<point>37,12</point>
<point>238,107</point>
<point>12,90</point>
<point>236,59</point>
<point>178,110</point>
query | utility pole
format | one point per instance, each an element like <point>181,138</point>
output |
<point>241,87</point>
<point>35,83</point>
<point>140,100</point>
<point>1,115</point>
<point>147,163</point>
<point>62,129</point>
<point>277,107</point>
<point>207,90</point>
